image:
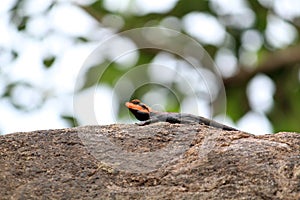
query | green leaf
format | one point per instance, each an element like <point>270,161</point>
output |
<point>261,15</point>
<point>184,7</point>
<point>14,54</point>
<point>48,62</point>
<point>23,23</point>
<point>237,103</point>
<point>105,73</point>
<point>82,39</point>
<point>72,121</point>
<point>285,114</point>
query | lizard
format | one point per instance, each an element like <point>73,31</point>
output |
<point>146,115</point>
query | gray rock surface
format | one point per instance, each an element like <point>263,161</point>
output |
<point>159,161</point>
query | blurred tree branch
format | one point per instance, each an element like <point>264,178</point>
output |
<point>270,62</point>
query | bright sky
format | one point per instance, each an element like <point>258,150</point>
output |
<point>58,82</point>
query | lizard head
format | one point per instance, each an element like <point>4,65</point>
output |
<point>140,110</point>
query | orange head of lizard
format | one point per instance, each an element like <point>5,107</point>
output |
<point>140,110</point>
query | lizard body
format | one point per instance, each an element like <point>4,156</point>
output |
<point>148,116</point>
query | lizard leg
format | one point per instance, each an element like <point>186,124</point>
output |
<point>147,122</point>
<point>158,118</point>
<point>143,123</point>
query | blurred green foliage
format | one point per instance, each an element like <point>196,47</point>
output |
<point>285,112</point>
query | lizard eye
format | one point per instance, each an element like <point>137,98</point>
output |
<point>135,101</point>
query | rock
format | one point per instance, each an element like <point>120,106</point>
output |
<point>159,161</point>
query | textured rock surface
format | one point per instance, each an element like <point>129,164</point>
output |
<point>159,161</point>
